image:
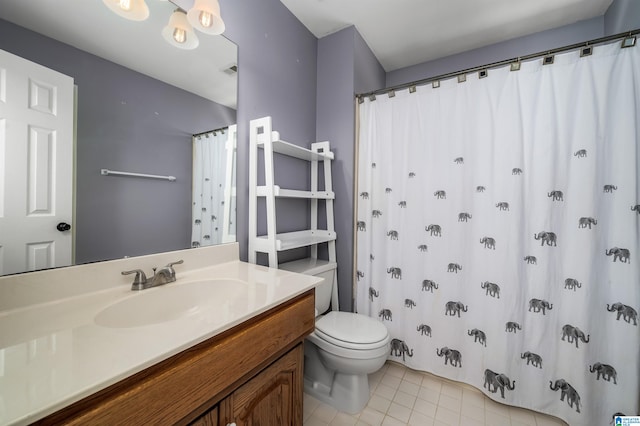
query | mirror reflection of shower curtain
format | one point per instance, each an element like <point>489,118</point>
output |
<point>229,217</point>
<point>209,184</point>
<point>498,232</point>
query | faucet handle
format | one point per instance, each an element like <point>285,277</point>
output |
<point>179,262</point>
<point>172,271</point>
<point>139,281</point>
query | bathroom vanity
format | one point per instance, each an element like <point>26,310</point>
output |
<point>251,374</point>
<point>234,357</point>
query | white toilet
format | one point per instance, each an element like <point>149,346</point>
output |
<point>344,348</point>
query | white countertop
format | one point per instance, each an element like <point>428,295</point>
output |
<point>54,353</point>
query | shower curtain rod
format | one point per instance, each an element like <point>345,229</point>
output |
<point>221,129</point>
<point>421,82</point>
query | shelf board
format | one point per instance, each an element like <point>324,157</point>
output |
<point>292,240</point>
<point>292,150</point>
<point>309,266</point>
<point>261,191</point>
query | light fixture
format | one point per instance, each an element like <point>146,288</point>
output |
<point>179,32</point>
<point>134,10</point>
<point>205,16</point>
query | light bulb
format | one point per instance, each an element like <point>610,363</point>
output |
<point>179,32</point>
<point>179,35</point>
<point>205,18</point>
<point>133,10</point>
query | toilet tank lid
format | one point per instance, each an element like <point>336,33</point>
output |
<point>308,266</point>
<point>352,328</point>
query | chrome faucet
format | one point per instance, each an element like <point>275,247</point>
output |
<point>164,275</point>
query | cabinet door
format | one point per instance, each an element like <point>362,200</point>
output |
<point>271,398</point>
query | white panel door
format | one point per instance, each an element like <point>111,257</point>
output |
<point>36,165</point>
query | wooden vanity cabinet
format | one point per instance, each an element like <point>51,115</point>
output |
<point>249,375</point>
<point>270,398</point>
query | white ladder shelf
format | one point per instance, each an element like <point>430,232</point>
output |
<point>263,137</point>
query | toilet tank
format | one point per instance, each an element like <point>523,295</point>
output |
<point>322,269</point>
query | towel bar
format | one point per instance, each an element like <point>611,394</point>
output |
<point>106,172</point>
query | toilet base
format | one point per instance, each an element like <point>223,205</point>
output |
<point>344,392</point>
<point>349,393</point>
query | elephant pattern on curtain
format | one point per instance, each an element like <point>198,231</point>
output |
<point>498,231</point>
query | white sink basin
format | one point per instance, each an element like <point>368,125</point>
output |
<point>210,298</point>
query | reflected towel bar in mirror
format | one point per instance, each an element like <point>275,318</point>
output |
<point>106,172</point>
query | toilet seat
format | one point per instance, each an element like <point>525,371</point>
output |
<point>351,331</point>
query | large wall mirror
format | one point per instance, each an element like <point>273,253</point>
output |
<point>138,102</point>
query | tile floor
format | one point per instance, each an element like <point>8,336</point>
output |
<point>401,396</point>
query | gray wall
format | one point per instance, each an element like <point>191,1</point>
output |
<point>346,65</point>
<point>307,86</point>
<point>276,77</point>
<point>545,40</point>
<point>129,122</point>
<point>369,74</point>
<point>622,15</point>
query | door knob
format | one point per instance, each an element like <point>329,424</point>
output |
<point>62,226</point>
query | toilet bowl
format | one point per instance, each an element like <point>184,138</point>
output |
<point>344,348</point>
<point>340,354</point>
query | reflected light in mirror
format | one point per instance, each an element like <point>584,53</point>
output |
<point>133,10</point>
<point>179,32</point>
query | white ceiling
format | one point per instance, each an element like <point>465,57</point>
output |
<point>407,32</point>
<point>90,26</point>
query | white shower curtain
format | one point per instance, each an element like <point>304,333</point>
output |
<point>498,231</point>
<point>209,181</point>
